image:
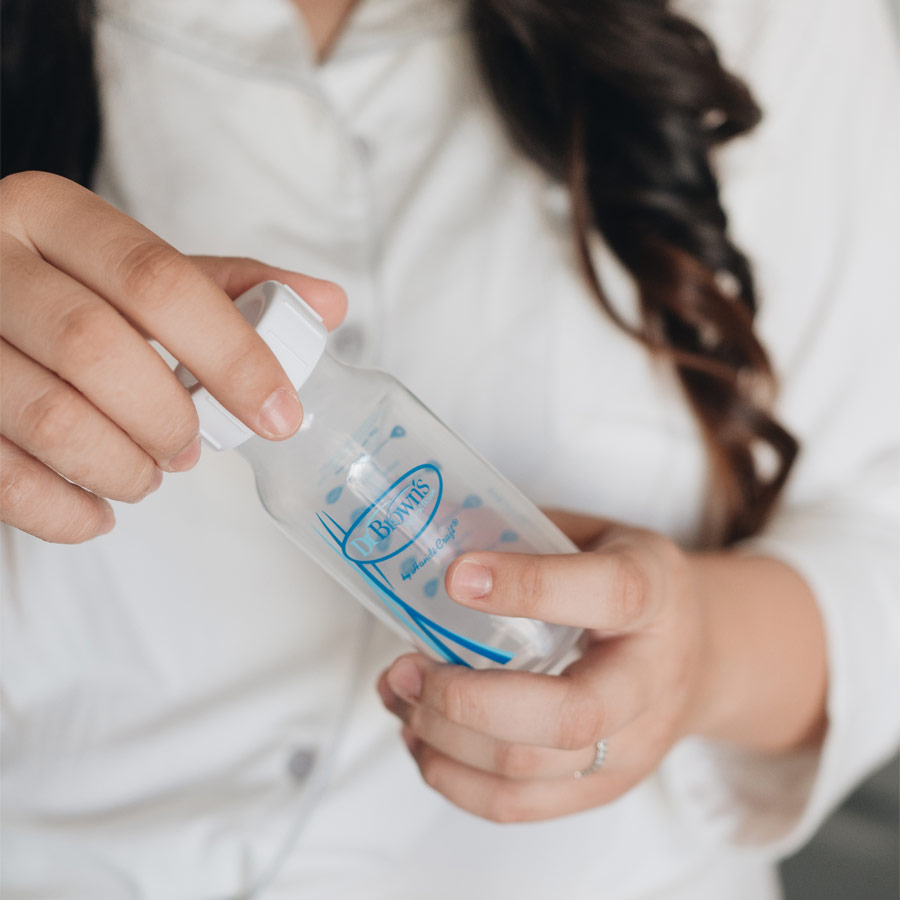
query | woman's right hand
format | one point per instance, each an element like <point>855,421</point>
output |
<point>88,409</point>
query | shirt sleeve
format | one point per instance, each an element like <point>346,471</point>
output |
<point>813,199</point>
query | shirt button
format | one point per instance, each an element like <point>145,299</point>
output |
<point>301,762</point>
<point>348,342</point>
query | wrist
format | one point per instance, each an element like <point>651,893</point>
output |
<point>709,711</point>
<point>762,678</point>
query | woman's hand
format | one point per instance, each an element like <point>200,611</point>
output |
<point>663,658</point>
<point>88,409</point>
<point>505,745</point>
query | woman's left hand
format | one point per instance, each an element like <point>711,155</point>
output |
<point>506,745</point>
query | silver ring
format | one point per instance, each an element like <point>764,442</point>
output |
<point>597,764</point>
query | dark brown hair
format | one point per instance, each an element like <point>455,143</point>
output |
<point>623,101</point>
<point>49,117</point>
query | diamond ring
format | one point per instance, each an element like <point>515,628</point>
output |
<point>597,764</point>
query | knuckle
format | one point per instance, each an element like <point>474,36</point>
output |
<point>516,760</point>
<point>459,703</point>
<point>24,491</point>
<point>48,421</point>
<point>150,268</point>
<point>532,584</point>
<point>19,484</point>
<point>84,337</point>
<point>242,365</point>
<point>630,588</point>
<point>578,723</point>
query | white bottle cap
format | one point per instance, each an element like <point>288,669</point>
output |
<point>295,334</point>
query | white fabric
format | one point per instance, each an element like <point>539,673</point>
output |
<point>161,683</point>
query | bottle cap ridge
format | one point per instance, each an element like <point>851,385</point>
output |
<point>293,331</point>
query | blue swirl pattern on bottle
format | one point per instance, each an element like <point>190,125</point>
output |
<point>431,632</point>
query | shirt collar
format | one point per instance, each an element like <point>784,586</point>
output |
<point>271,34</point>
<point>375,25</point>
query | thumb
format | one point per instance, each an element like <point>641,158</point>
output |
<point>236,274</point>
<point>602,591</point>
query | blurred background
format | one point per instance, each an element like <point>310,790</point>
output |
<point>856,854</point>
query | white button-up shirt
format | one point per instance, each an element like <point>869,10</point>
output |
<point>189,702</point>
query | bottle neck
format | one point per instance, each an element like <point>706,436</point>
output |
<point>332,397</point>
<point>325,385</point>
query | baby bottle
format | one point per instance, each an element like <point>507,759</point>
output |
<point>384,496</point>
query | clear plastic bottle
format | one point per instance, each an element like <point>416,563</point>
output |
<point>384,496</point>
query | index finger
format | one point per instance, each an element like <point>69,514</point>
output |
<point>166,295</point>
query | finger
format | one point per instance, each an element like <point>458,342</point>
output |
<point>608,591</point>
<point>500,799</point>
<point>53,422</point>
<point>36,500</point>
<point>69,330</point>
<point>632,755</point>
<point>236,275</point>
<point>583,531</point>
<point>165,294</point>
<point>602,692</point>
<point>481,751</point>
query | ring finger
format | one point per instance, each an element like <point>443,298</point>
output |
<point>503,799</point>
<point>633,754</point>
<point>55,424</point>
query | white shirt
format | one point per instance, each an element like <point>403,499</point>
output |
<point>189,702</point>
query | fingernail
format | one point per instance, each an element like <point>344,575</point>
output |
<point>109,520</point>
<point>184,459</point>
<point>471,581</point>
<point>406,680</point>
<point>281,413</point>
